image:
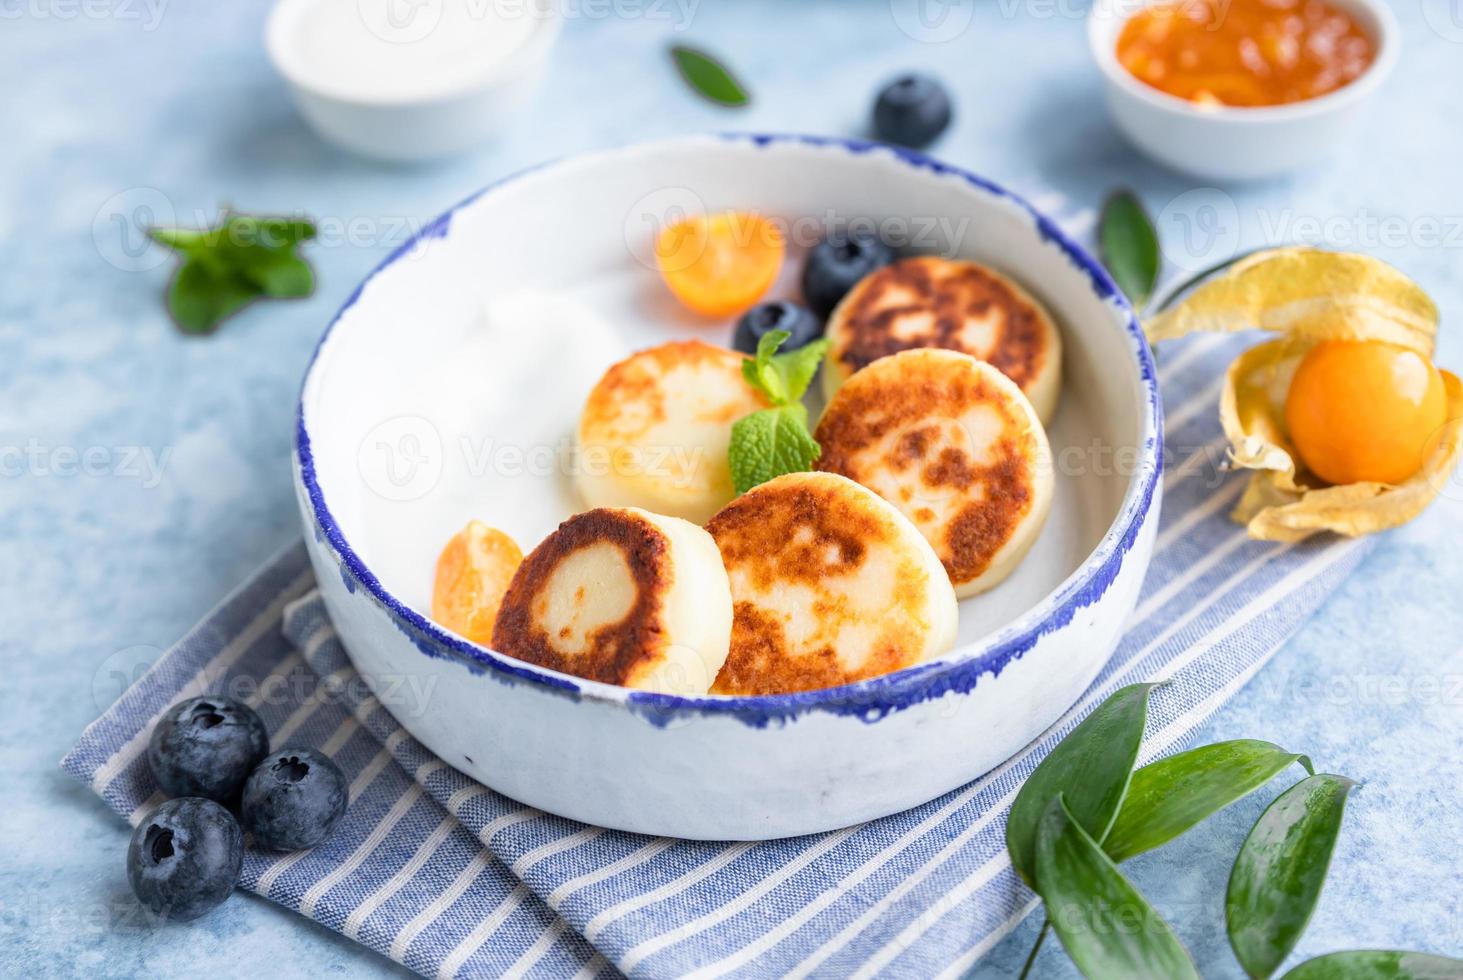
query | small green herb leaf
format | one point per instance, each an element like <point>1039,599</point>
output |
<point>770,443</point>
<point>233,263</point>
<point>1129,246</point>
<point>783,377</point>
<point>1106,925</point>
<point>1091,767</point>
<point>201,297</point>
<point>1378,964</point>
<point>709,77</point>
<point>1281,867</point>
<point>279,273</point>
<point>1171,795</point>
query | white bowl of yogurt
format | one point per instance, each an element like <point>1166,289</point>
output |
<point>410,80</point>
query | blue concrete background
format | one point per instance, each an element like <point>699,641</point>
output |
<point>142,473</point>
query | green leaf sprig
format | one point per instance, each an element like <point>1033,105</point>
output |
<point>1084,809</point>
<point>708,77</point>
<point>1129,246</point>
<point>225,268</point>
<point>776,440</point>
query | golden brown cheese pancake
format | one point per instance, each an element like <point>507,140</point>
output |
<point>962,306</point>
<point>622,596</point>
<point>473,572</point>
<point>830,585</point>
<point>952,443</point>
<point>655,430</point>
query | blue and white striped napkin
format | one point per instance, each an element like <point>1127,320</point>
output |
<point>452,879</point>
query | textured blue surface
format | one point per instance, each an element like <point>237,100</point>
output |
<point>107,558</point>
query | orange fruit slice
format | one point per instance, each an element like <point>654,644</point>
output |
<point>720,264</point>
<point>473,572</point>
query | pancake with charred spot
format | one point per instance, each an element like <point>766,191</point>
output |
<point>830,585</point>
<point>955,305</point>
<point>953,444</point>
<point>654,431</point>
<point>622,596</point>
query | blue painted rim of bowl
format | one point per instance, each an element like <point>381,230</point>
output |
<point>870,699</point>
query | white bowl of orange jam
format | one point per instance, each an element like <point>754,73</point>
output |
<point>1241,89</point>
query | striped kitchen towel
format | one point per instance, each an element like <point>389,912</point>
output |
<point>451,879</point>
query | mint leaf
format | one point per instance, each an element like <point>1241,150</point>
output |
<point>798,367</point>
<point>279,273</point>
<point>201,297</point>
<point>228,266</point>
<point>759,372</point>
<point>771,443</point>
<point>708,77</point>
<point>783,377</point>
<point>1129,246</point>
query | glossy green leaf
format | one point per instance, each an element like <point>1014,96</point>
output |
<point>1378,964</point>
<point>1091,766</point>
<point>1105,924</point>
<point>709,77</point>
<point>1277,877</point>
<point>1129,246</point>
<point>1169,796</point>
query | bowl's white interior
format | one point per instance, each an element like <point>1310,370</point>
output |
<point>424,409</point>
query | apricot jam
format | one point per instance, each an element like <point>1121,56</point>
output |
<point>1244,52</point>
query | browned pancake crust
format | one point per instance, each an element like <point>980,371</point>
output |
<point>760,541</point>
<point>637,381</point>
<point>616,651</point>
<point>951,292</point>
<point>865,413</point>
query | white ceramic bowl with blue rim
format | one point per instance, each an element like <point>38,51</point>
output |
<point>449,386</point>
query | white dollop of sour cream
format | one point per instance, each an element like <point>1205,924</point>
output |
<point>404,49</point>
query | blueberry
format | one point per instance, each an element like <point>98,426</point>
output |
<point>838,262</point>
<point>293,799</point>
<point>912,111</point>
<point>780,315</point>
<point>185,858</point>
<point>206,747</point>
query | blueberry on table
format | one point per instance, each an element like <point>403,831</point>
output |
<point>780,315</point>
<point>293,800</point>
<point>912,111</point>
<point>837,263</point>
<point>185,857</point>
<point>206,747</point>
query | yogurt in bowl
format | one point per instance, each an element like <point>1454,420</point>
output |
<point>406,81</point>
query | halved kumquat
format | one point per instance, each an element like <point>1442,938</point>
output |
<point>720,264</point>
